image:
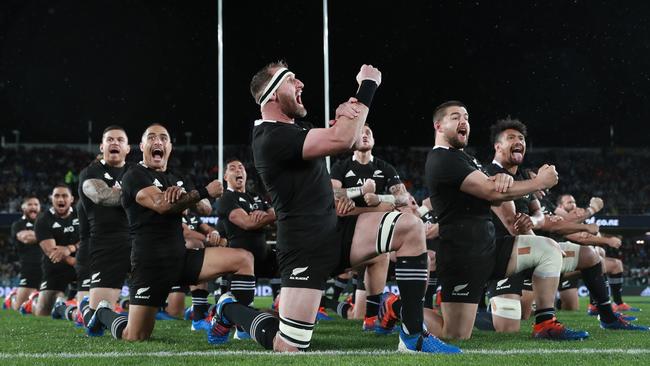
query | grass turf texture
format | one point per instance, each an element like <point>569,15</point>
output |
<point>31,341</point>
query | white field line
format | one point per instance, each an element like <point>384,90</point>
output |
<point>534,351</point>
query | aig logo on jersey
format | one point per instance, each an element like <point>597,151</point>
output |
<point>68,229</point>
<point>299,271</point>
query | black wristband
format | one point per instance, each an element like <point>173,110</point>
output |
<point>366,92</point>
<point>203,192</point>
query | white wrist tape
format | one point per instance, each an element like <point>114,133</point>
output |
<point>386,198</point>
<point>353,192</point>
<point>422,210</point>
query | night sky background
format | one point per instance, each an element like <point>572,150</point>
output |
<point>571,70</point>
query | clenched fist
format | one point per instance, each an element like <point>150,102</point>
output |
<point>368,72</point>
<point>215,188</point>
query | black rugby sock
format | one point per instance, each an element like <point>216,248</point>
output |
<point>432,286</point>
<point>87,313</point>
<point>243,288</point>
<point>542,315</point>
<point>341,308</point>
<point>200,304</point>
<point>355,282</point>
<point>113,321</point>
<point>225,284</point>
<point>70,312</point>
<point>261,326</point>
<point>372,305</point>
<point>339,285</point>
<point>616,287</point>
<point>595,283</point>
<point>411,275</point>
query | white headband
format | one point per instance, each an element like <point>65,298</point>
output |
<point>274,84</point>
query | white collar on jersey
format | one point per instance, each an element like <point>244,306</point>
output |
<point>354,158</point>
<point>441,147</point>
<point>230,189</point>
<point>24,217</point>
<point>260,121</point>
<point>103,162</point>
<point>53,212</point>
<point>495,162</point>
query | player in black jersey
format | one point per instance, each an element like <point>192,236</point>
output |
<point>154,198</point>
<point>353,174</point>
<point>521,217</point>
<point>29,253</point>
<point>461,196</point>
<point>109,246</point>
<point>244,217</point>
<point>289,159</point>
<point>57,232</point>
<point>613,267</point>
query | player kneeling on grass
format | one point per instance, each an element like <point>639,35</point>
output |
<point>154,198</point>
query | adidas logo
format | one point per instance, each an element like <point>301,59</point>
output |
<point>56,225</point>
<point>156,183</point>
<point>108,176</point>
<point>296,271</point>
<point>350,173</point>
<point>179,183</point>
<point>29,224</point>
<point>377,174</point>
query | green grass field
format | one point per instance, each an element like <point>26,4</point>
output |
<point>42,341</point>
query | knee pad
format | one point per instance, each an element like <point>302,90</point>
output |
<point>506,308</point>
<point>570,261</point>
<point>539,253</point>
<point>386,231</point>
<point>295,332</point>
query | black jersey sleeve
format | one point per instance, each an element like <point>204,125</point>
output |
<point>337,171</point>
<point>392,178</point>
<point>452,169</point>
<point>227,203</point>
<point>135,181</point>
<point>42,228</point>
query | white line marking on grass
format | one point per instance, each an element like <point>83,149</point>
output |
<point>536,351</point>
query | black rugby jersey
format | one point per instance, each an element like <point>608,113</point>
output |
<point>27,253</point>
<point>466,229</point>
<point>154,235</point>
<point>298,187</point>
<point>232,200</point>
<point>64,231</point>
<point>104,221</point>
<point>522,205</point>
<point>351,173</point>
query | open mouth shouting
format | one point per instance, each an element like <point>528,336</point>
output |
<point>299,98</point>
<point>157,154</point>
<point>517,153</point>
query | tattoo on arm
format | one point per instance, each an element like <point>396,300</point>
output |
<point>100,193</point>
<point>185,201</point>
